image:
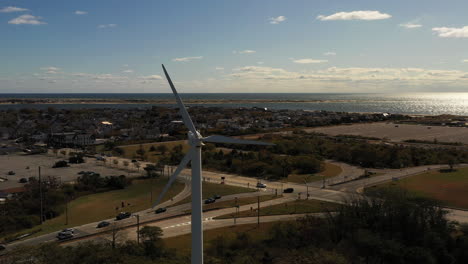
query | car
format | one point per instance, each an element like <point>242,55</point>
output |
<point>210,200</point>
<point>11,173</point>
<point>261,185</point>
<point>288,190</point>
<point>103,224</point>
<point>23,180</point>
<point>160,210</point>
<point>216,196</point>
<point>133,160</point>
<point>64,235</point>
<point>123,215</point>
<point>71,230</point>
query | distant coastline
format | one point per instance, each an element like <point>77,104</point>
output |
<point>410,104</point>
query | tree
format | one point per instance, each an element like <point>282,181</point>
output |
<point>151,170</point>
<point>152,240</point>
<point>141,151</point>
<point>116,162</point>
<point>162,149</point>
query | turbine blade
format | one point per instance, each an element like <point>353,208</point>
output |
<point>230,140</point>
<point>181,166</point>
<point>183,111</point>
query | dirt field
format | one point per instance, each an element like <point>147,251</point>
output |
<point>18,163</point>
<point>398,132</point>
<point>451,188</point>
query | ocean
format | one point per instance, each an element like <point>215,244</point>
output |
<point>415,103</point>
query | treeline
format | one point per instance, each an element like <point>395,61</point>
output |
<point>260,164</point>
<point>361,153</point>
<point>23,211</point>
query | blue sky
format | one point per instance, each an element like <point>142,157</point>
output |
<point>234,45</point>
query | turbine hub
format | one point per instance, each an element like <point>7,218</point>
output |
<point>195,140</point>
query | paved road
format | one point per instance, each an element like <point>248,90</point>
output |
<point>348,172</point>
<point>179,224</point>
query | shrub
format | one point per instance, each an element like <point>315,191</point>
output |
<point>60,164</point>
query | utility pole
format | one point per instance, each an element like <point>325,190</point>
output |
<point>258,211</point>
<point>66,213</point>
<point>138,228</point>
<point>235,214</point>
<point>40,193</point>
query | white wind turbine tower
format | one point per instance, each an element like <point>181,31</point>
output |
<point>196,140</point>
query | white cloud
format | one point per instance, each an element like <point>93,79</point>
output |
<point>260,62</point>
<point>308,61</point>
<point>51,70</point>
<point>107,25</point>
<point>410,25</point>
<point>330,53</point>
<point>243,51</point>
<point>277,20</point>
<point>11,9</point>
<point>152,77</point>
<point>128,71</point>
<point>413,76</point>
<point>78,12</point>
<point>355,15</point>
<point>466,61</point>
<point>187,59</point>
<point>26,20</point>
<point>219,68</point>
<point>446,32</point>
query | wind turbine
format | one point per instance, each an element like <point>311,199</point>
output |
<point>196,141</point>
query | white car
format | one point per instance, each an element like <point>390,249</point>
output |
<point>71,230</point>
<point>261,185</point>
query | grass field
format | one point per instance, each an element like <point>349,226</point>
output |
<point>451,188</point>
<point>210,189</point>
<point>294,207</point>
<point>183,243</point>
<point>330,170</point>
<point>100,206</point>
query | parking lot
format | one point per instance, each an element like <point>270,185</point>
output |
<point>25,166</point>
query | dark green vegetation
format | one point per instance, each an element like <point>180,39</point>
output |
<point>23,211</point>
<point>435,142</point>
<point>447,186</point>
<point>360,153</point>
<point>262,163</point>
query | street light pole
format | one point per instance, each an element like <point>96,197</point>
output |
<point>138,228</point>
<point>40,194</point>
<point>258,211</point>
<point>66,213</point>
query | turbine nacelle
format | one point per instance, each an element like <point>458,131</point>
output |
<point>195,140</point>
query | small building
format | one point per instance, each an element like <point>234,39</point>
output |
<point>71,139</point>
